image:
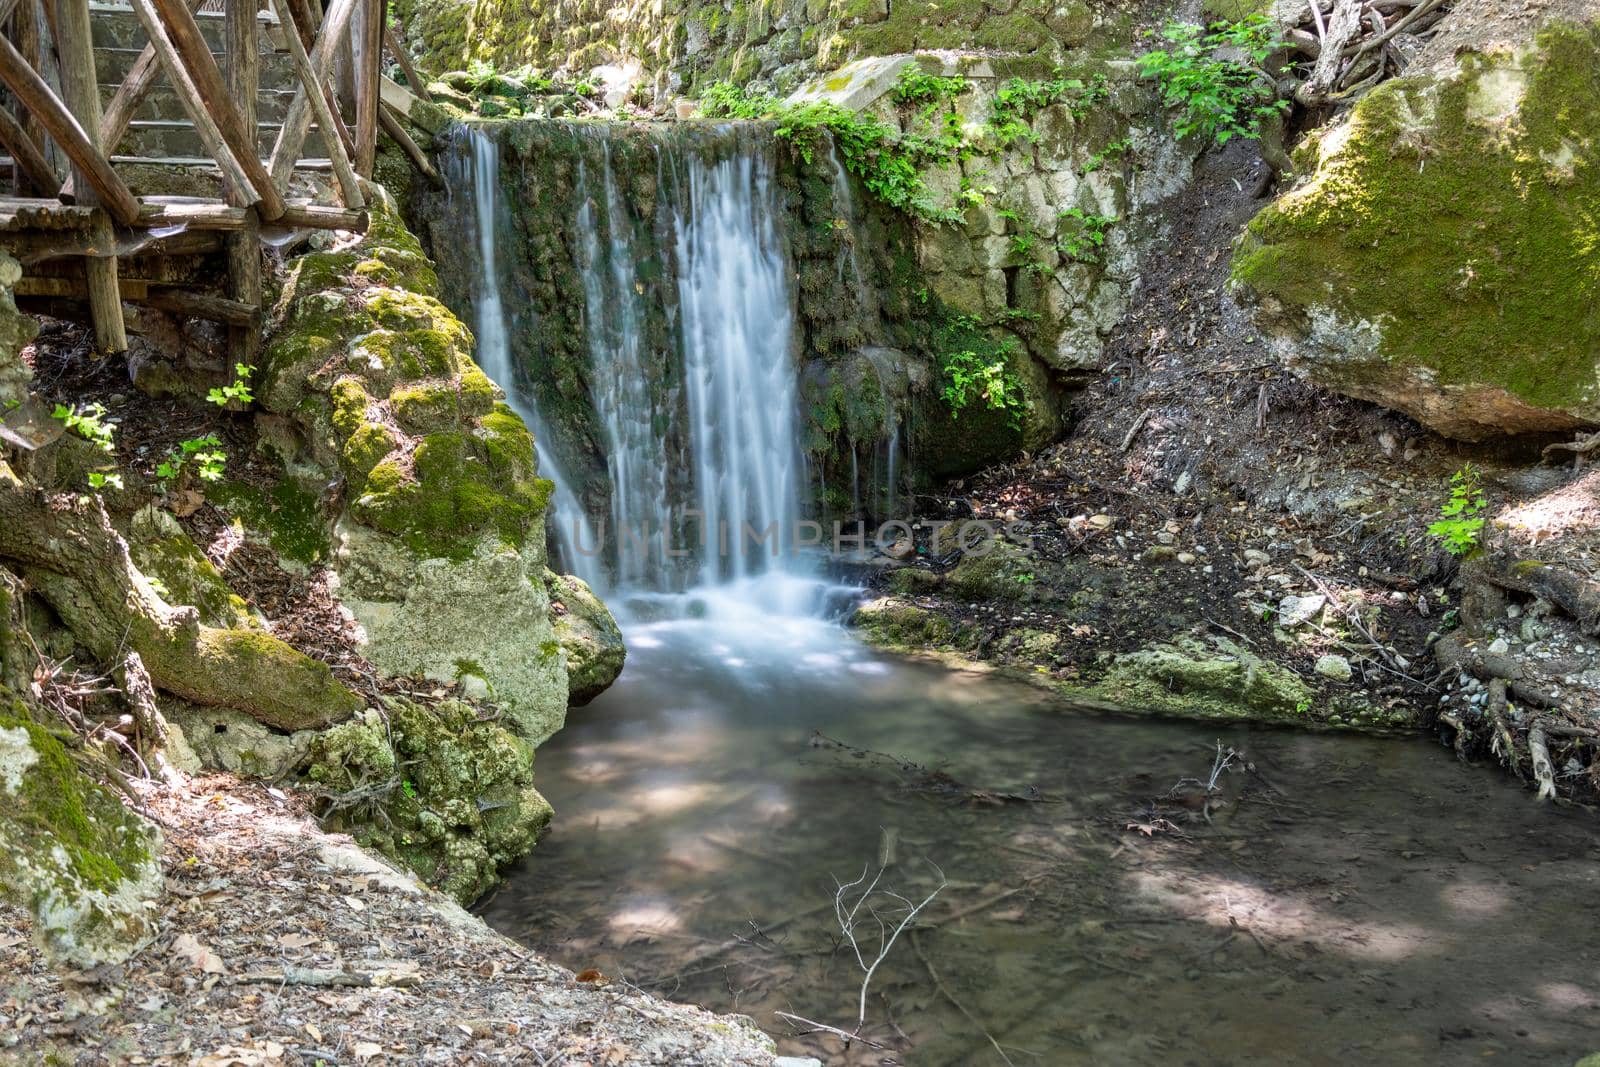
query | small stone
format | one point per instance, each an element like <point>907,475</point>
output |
<point>1159,554</point>
<point>1186,557</point>
<point>1500,646</point>
<point>1294,610</point>
<point>1167,537</point>
<point>904,548</point>
<point>1255,555</point>
<point>1335,667</point>
<point>1102,521</point>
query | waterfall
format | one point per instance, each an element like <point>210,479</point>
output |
<point>736,308</point>
<point>576,539</point>
<point>623,384</point>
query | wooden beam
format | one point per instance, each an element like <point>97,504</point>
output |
<point>31,91</point>
<point>392,126</point>
<point>367,48</point>
<point>397,49</point>
<point>241,190</point>
<point>195,214</point>
<point>202,67</point>
<point>169,298</point>
<point>318,217</point>
<point>292,135</point>
<point>25,34</point>
<point>349,188</point>
<point>81,92</point>
<point>36,169</point>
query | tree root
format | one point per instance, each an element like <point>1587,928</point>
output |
<point>67,550</point>
<point>1571,592</point>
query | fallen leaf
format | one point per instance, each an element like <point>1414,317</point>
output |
<point>199,956</point>
<point>355,904</point>
<point>591,975</point>
<point>297,941</point>
<point>365,1050</point>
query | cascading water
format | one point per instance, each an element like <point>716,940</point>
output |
<point>575,537</point>
<point>736,307</point>
<point>624,389</point>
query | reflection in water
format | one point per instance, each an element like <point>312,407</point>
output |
<point>1353,897</point>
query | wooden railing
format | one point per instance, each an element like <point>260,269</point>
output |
<point>90,211</point>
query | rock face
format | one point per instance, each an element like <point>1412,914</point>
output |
<point>440,552</point>
<point>1439,258</point>
<point>456,793</point>
<point>79,861</point>
<point>589,637</point>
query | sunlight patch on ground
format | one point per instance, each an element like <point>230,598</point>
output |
<point>1275,915</point>
<point>1475,900</point>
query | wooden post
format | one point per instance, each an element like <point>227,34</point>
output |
<point>241,26</point>
<point>286,153</point>
<point>25,32</point>
<point>202,67</point>
<point>82,92</point>
<point>367,52</point>
<point>332,126</point>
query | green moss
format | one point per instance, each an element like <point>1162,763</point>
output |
<point>188,577</point>
<point>1469,239</point>
<point>287,514</point>
<point>1197,681</point>
<point>56,803</point>
<point>892,624</point>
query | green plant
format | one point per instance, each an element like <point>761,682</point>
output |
<point>1221,97</point>
<point>1461,521</point>
<point>1111,151</point>
<point>1085,237</point>
<point>90,423</point>
<point>928,91</point>
<point>238,389</point>
<point>1018,100</point>
<point>970,376</point>
<point>206,452</point>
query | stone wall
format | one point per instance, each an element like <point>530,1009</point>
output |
<point>680,46</point>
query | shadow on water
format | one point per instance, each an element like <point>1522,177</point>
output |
<point>1349,897</point>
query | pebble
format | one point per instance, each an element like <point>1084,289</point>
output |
<point>1294,610</point>
<point>1500,646</point>
<point>1167,537</point>
<point>1102,521</point>
<point>1255,555</point>
<point>1158,554</point>
<point>1186,557</point>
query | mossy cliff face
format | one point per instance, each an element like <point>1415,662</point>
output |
<point>683,44</point>
<point>451,796</point>
<point>83,865</point>
<point>440,547</point>
<point>589,636</point>
<point>1441,259</point>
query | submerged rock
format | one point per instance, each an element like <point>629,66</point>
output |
<point>85,867</point>
<point>1440,257</point>
<point>588,634</point>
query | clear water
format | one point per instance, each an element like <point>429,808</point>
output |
<point>1352,898</point>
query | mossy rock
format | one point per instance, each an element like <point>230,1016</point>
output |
<point>890,623</point>
<point>1440,259</point>
<point>456,801</point>
<point>181,573</point>
<point>1193,679</point>
<point>998,570</point>
<point>588,634</point>
<point>83,865</point>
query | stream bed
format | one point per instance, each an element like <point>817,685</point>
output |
<point>1341,898</point>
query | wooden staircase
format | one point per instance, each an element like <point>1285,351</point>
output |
<point>154,144</point>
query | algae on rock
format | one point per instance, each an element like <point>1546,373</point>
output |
<point>85,867</point>
<point>451,796</point>
<point>444,524</point>
<point>1440,258</point>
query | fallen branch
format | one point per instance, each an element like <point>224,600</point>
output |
<point>938,983</point>
<point>1543,772</point>
<point>332,978</point>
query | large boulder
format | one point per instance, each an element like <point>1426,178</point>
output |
<point>1440,257</point>
<point>440,550</point>
<point>85,867</point>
